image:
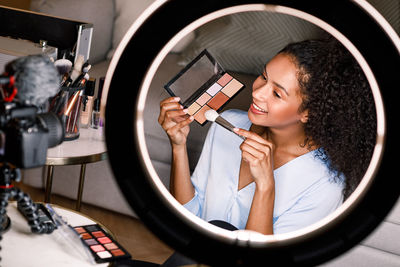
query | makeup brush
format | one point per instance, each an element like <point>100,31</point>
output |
<point>63,66</point>
<point>77,69</point>
<point>212,115</point>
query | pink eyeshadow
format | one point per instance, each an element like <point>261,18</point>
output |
<point>104,240</point>
<point>203,99</point>
<point>97,248</point>
<point>224,79</point>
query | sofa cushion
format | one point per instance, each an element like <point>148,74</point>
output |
<point>243,42</point>
<point>126,12</point>
<point>98,12</point>
<point>366,257</point>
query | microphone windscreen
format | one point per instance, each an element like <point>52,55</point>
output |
<point>36,79</point>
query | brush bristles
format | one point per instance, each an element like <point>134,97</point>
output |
<point>63,66</point>
<point>211,115</point>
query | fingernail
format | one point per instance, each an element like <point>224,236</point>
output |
<point>185,110</point>
<point>236,129</point>
<point>191,118</point>
<point>177,98</point>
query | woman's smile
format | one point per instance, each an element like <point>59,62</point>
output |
<point>257,110</point>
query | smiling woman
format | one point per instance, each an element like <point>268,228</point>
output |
<point>294,170</point>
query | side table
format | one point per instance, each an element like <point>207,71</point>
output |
<point>20,247</point>
<point>88,148</point>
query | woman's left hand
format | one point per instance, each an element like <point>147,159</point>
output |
<point>258,152</point>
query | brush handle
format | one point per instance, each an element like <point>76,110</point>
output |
<point>227,125</point>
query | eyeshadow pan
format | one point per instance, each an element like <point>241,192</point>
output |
<point>110,246</point>
<point>86,236</point>
<point>92,228</point>
<point>224,79</point>
<point>117,252</point>
<point>104,240</point>
<point>218,100</point>
<point>200,117</point>
<point>104,254</point>
<point>80,230</point>
<point>203,99</point>
<point>98,234</point>
<point>91,242</point>
<point>232,87</point>
<point>193,108</point>
<point>214,89</point>
<point>97,248</point>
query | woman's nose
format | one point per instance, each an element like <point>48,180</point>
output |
<point>260,91</point>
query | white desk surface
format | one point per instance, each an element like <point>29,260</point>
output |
<point>90,142</point>
<point>89,147</point>
<point>20,247</point>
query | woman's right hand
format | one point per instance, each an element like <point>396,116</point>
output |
<point>174,120</point>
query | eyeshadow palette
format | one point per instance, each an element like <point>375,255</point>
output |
<point>202,85</point>
<point>102,246</point>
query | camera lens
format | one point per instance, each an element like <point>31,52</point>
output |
<point>55,128</point>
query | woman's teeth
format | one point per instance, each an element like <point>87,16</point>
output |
<point>258,108</point>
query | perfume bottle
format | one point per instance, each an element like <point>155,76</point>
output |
<point>95,122</point>
<point>87,103</point>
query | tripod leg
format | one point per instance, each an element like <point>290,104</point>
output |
<point>30,211</point>
<point>4,196</point>
<point>4,220</point>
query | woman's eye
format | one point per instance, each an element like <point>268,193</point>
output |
<point>264,77</point>
<point>276,94</point>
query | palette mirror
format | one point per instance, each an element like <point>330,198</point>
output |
<point>151,146</point>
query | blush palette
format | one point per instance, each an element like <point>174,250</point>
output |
<point>202,85</point>
<point>102,246</point>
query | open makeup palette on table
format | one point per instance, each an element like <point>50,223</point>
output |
<point>203,85</point>
<point>102,246</point>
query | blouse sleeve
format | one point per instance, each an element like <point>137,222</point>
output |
<point>324,197</point>
<point>200,174</point>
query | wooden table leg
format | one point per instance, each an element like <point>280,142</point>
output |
<point>80,188</point>
<point>49,182</point>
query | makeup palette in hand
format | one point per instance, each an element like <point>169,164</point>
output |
<point>203,85</point>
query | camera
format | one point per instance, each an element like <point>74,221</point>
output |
<point>26,134</point>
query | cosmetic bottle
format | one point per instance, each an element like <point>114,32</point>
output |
<point>95,122</point>
<point>87,103</point>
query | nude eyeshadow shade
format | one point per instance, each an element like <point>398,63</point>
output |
<point>202,85</point>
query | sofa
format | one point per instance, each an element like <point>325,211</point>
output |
<point>112,18</point>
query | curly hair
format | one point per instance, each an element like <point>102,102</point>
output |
<point>341,108</point>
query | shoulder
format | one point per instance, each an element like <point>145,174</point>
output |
<point>306,178</point>
<point>325,187</point>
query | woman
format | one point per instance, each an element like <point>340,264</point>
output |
<point>310,132</point>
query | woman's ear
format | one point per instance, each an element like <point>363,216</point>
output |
<point>304,116</point>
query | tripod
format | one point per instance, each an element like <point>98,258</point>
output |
<point>24,202</point>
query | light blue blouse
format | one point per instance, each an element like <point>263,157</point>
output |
<point>304,188</point>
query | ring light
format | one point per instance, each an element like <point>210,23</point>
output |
<point>354,23</point>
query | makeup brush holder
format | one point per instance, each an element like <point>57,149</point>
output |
<point>67,105</point>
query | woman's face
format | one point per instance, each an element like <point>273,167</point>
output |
<point>276,95</point>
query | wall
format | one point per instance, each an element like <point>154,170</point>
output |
<point>22,4</point>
